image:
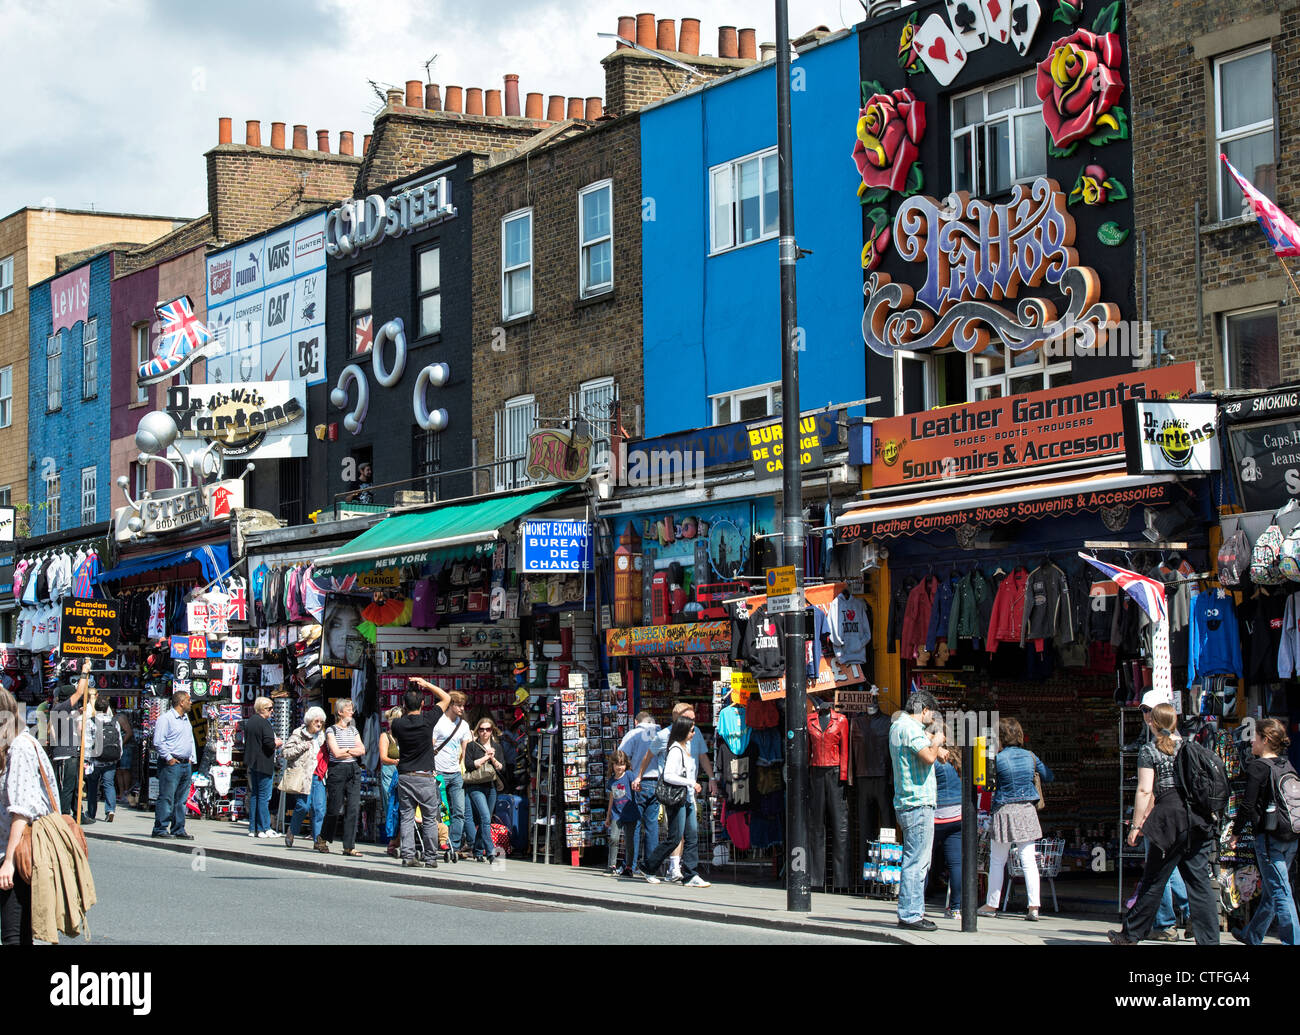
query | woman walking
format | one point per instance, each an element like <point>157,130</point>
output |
<point>947,824</point>
<point>343,748</point>
<point>1015,816</point>
<point>1275,846</point>
<point>260,743</point>
<point>679,774</point>
<point>304,763</point>
<point>25,773</point>
<point>388,804</point>
<point>482,769</point>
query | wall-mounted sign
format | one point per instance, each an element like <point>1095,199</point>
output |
<point>260,419</point>
<point>169,510</point>
<point>364,222</point>
<point>651,640</point>
<point>555,546</point>
<point>7,524</point>
<point>266,306</point>
<point>553,455</point>
<point>1068,423</point>
<point>70,299</point>
<point>1263,434</point>
<point>663,458</point>
<point>89,629</point>
<point>1179,437</point>
<point>767,450</point>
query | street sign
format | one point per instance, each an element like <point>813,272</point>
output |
<point>743,686</point>
<point>783,593</point>
<point>89,629</point>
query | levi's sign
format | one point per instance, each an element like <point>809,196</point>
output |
<point>364,222</point>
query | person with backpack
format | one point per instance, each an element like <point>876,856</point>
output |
<point>107,753</point>
<point>1181,789</point>
<point>1272,808</point>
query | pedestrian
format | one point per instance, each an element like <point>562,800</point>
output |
<point>913,750</point>
<point>678,772</point>
<point>1178,838</point>
<point>1275,844</point>
<point>621,815</point>
<point>65,737</point>
<point>343,747</point>
<point>260,744</point>
<point>125,775</point>
<point>700,753</point>
<point>23,800</point>
<point>450,734</point>
<point>173,739</point>
<point>947,824</point>
<point>637,743</point>
<point>1015,816</point>
<point>388,804</point>
<point>1173,903</point>
<point>305,766</point>
<point>483,768</point>
<point>107,753</point>
<point>417,780</point>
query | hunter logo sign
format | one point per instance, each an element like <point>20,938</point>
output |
<point>243,420</point>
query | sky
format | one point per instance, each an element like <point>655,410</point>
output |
<point>111,104</point>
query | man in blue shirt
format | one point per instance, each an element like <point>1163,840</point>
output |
<point>914,751</point>
<point>638,745</point>
<point>173,738</point>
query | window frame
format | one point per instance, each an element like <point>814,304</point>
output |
<point>1225,343</point>
<point>90,358</point>
<point>141,358</point>
<point>6,495</point>
<point>91,492</point>
<point>54,372</point>
<point>978,132</point>
<point>354,313</point>
<point>426,460</point>
<point>7,396</point>
<point>601,423</point>
<point>53,513</point>
<point>506,270</point>
<point>731,167</point>
<point>1223,138</point>
<point>770,391</point>
<point>1010,373</point>
<point>7,289</point>
<point>421,293</point>
<point>586,290</point>
<point>509,469</point>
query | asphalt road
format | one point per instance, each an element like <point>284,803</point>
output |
<point>151,897</point>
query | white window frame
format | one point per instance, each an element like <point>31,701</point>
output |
<point>595,401</point>
<point>726,173</point>
<point>1026,107</point>
<point>6,396</point>
<point>90,358</point>
<point>54,372</point>
<point>507,271</point>
<point>514,422</point>
<point>1222,137</point>
<point>586,290</point>
<point>6,285</point>
<point>53,502</point>
<point>770,393</point>
<point>1225,343</point>
<point>143,354</point>
<point>421,292</point>
<point>6,495</point>
<point>89,494</point>
<point>1010,373</point>
<point>139,479</point>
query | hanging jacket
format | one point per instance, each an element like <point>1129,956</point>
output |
<point>897,609</point>
<point>972,608</point>
<point>869,735</point>
<point>1288,651</point>
<point>850,630</point>
<point>818,627</point>
<point>1126,625</point>
<point>1262,621</point>
<point>829,747</point>
<point>916,617</point>
<point>1047,607</point>
<point>1215,647</point>
<point>937,628</point>
<point>738,612</point>
<point>1008,610</point>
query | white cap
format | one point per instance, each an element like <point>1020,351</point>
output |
<point>1154,697</point>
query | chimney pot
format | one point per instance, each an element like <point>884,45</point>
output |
<point>748,45</point>
<point>300,138</point>
<point>626,27</point>
<point>453,99</point>
<point>690,38</point>
<point>253,133</point>
<point>474,100</point>
<point>593,109</point>
<point>345,142</point>
<point>512,95</point>
<point>576,108</point>
<point>365,143</point>
<point>766,51</point>
<point>277,135</point>
<point>728,45</point>
<point>492,103</point>
<point>555,108</point>
<point>224,130</point>
<point>534,106</point>
<point>414,93</point>
<point>323,140</point>
<point>645,30</point>
<point>667,38</point>
<point>396,98</point>
<point>432,98</point>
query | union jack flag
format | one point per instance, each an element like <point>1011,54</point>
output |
<point>238,601</point>
<point>1149,593</point>
<point>364,326</point>
<point>179,321</point>
<point>1283,235</point>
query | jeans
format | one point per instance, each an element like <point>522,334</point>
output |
<point>1192,859</point>
<point>622,832</point>
<point>104,773</point>
<point>679,829</point>
<point>259,798</point>
<point>648,805</point>
<point>826,795</point>
<point>173,789</point>
<point>416,791</point>
<point>1275,858</point>
<point>483,799</point>
<point>1175,896</point>
<point>916,824</point>
<point>1028,855</point>
<point>456,807</point>
<point>875,796</point>
<point>947,840</point>
<point>313,802</point>
<point>343,795</point>
<point>16,914</point>
<point>392,808</point>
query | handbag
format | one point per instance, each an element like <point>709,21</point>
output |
<point>1038,786</point>
<point>670,794</point>
<point>23,853</point>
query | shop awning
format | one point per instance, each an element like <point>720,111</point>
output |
<point>1003,504</point>
<point>452,532</point>
<point>213,559</point>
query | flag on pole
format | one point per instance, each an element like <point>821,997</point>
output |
<point>1149,594</point>
<point>1283,235</point>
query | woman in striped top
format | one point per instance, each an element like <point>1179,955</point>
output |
<point>343,747</point>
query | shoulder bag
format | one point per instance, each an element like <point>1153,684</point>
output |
<point>484,774</point>
<point>1038,785</point>
<point>669,794</point>
<point>23,853</point>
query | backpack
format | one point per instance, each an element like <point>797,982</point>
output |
<point>1283,820</point>
<point>1202,780</point>
<point>1232,558</point>
<point>1289,564</point>
<point>110,750</point>
<point>1265,558</point>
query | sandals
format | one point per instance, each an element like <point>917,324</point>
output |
<point>352,853</point>
<point>987,911</point>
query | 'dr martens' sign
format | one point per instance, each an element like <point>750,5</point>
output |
<point>1071,422</point>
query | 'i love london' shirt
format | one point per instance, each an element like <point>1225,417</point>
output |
<point>763,640</point>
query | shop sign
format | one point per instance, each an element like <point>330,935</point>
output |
<point>743,686</point>
<point>89,629</point>
<point>365,222</point>
<point>1263,433</point>
<point>70,299</point>
<point>554,456</point>
<point>1178,437</point>
<point>169,510</point>
<point>658,640</point>
<point>7,524</point>
<point>853,700</point>
<point>692,451</point>
<point>389,578</point>
<point>718,536</point>
<point>1069,423</point>
<point>245,420</point>
<point>827,680</point>
<point>766,448</point>
<point>549,546</point>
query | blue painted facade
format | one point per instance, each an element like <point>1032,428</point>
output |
<point>77,434</point>
<point>713,323</point>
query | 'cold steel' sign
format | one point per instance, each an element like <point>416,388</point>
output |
<point>364,222</point>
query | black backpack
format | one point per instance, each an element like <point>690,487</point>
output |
<point>1202,781</point>
<point>111,748</point>
<point>1283,820</point>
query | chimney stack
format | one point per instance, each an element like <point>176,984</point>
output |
<point>453,99</point>
<point>576,107</point>
<point>414,93</point>
<point>277,135</point>
<point>365,143</point>
<point>492,104</point>
<point>323,140</point>
<point>748,44</point>
<point>593,109</point>
<point>300,138</point>
<point>728,46</point>
<point>690,38</point>
<point>253,133</point>
<point>645,30</point>
<point>555,108</point>
<point>224,130</point>
<point>534,107</point>
<point>474,100</point>
<point>667,38</point>
<point>626,27</point>
<point>345,142</point>
<point>512,95</point>
<point>432,98</point>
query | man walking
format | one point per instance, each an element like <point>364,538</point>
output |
<point>638,745</point>
<point>700,751</point>
<point>417,781</point>
<point>914,751</point>
<point>173,737</point>
<point>65,738</point>
<point>450,732</point>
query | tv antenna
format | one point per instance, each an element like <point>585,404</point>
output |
<point>427,73</point>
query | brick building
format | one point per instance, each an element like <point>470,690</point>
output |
<point>1210,79</point>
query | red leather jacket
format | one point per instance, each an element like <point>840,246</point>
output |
<point>1008,610</point>
<point>829,747</point>
<point>916,617</point>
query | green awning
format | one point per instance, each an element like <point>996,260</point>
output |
<point>452,532</point>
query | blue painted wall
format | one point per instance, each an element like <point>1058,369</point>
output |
<point>714,324</point>
<point>76,435</point>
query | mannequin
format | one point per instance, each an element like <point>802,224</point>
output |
<point>873,774</point>
<point>828,755</point>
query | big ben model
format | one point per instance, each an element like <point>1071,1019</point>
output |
<point>627,578</point>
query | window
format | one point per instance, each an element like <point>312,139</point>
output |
<point>429,291</point>
<point>994,373</point>
<point>1243,120</point>
<point>747,404</point>
<point>426,461</point>
<point>6,285</point>
<point>89,482</point>
<point>143,354</point>
<point>517,265</point>
<point>139,476</point>
<point>595,403</point>
<point>998,137</point>
<point>53,373</point>
<point>1250,349</point>
<point>6,396</point>
<point>596,238</point>
<point>514,423</point>
<point>743,197</point>
<point>363,325</point>
<point>90,359</point>
<point>291,490</point>
<point>6,496</point>
<point>53,489</point>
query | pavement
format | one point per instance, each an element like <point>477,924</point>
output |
<point>838,916</point>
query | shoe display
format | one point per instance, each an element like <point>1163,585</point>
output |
<point>184,338</point>
<point>923,925</point>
